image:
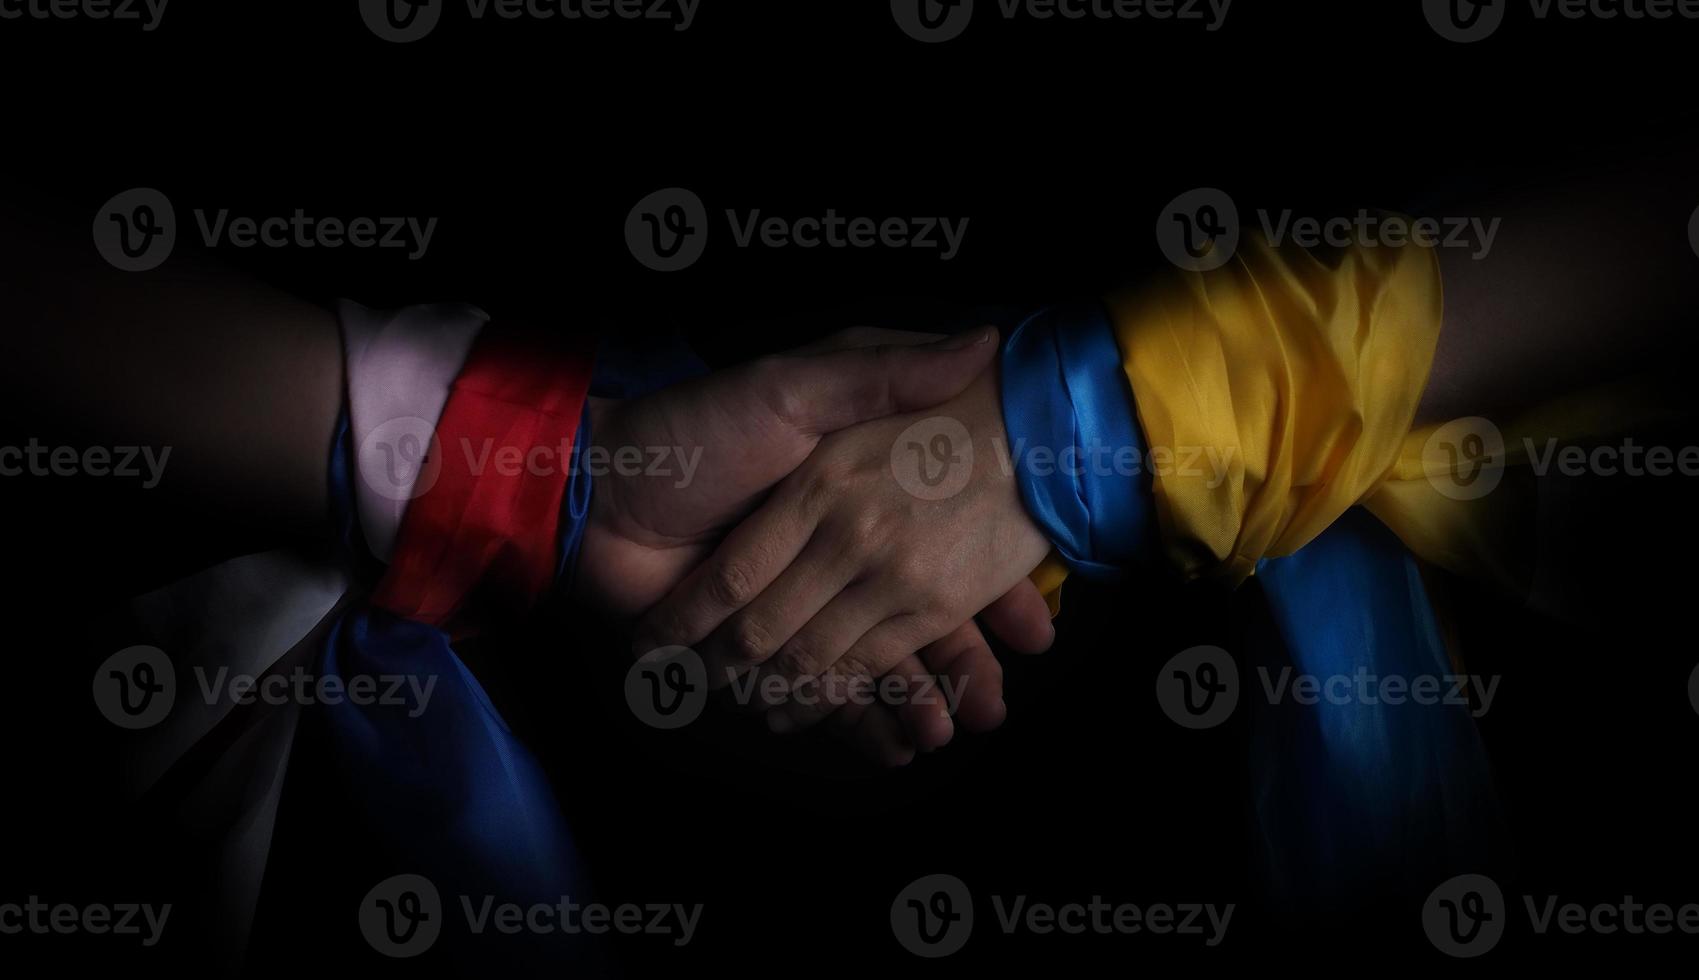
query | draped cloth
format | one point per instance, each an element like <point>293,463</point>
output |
<point>1274,399</point>
<point>455,795</point>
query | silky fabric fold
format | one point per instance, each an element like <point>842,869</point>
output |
<point>1074,442</point>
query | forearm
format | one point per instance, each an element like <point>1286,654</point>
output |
<point>241,381</point>
<point>1585,280</point>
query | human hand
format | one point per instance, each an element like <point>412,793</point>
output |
<point>856,560</point>
<point>750,427</point>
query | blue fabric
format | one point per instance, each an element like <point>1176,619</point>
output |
<point>439,779</point>
<point>1352,793</point>
<point>1079,456</point>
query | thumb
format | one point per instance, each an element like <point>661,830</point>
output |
<point>821,393</point>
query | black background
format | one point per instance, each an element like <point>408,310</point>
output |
<point>1060,142</point>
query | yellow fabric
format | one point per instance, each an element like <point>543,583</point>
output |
<point>1300,371</point>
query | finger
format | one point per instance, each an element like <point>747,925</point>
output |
<point>919,703</point>
<point>871,657</point>
<point>875,732</point>
<point>819,393</point>
<point>970,678</point>
<point>855,337</point>
<point>800,668</point>
<point>1021,619</point>
<point>750,558</point>
<point>752,635</point>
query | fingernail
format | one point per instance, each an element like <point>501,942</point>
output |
<point>965,339</point>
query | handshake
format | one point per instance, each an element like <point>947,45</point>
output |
<point>839,535</point>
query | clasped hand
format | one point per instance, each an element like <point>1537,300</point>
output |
<point>850,515</point>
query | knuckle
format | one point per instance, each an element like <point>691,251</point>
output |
<point>773,381</point>
<point>915,580</point>
<point>749,641</point>
<point>732,583</point>
<point>869,531</point>
<point>801,657</point>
